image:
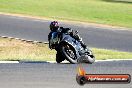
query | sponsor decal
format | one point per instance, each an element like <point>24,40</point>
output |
<point>83,78</point>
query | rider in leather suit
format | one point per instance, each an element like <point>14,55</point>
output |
<point>54,27</point>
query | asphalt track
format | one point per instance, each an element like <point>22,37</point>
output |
<point>46,75</point>
<point>35,29</point>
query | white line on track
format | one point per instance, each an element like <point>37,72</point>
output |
<point>97,60</point>
<point>68,62</point>
<point>113,60</point>
<point>9,61</point>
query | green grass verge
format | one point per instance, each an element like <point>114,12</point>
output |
<point>11,49</point>
<point>112,12</point>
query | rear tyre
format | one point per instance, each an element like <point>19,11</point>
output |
<point>91,59</point>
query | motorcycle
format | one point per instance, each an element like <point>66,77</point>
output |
<point>70,49</point>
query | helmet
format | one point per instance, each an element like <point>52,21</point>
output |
<point>54,26</point>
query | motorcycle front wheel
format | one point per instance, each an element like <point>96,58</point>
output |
<point>69,53</point>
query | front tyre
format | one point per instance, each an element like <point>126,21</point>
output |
<point>70,53</point>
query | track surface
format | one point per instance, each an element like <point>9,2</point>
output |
<point>33,29</point>
<point>45,75</point>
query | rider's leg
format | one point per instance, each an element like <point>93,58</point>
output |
<point>77,37</point>
<point>82,43</point>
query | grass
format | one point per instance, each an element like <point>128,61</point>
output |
<point>104,54</point>
<point>111,12</point>
<point>11,49</point>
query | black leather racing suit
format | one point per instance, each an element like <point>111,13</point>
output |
<point>72,33</point>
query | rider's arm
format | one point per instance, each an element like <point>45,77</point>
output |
<point>66,30</point>
<point>49,40</point>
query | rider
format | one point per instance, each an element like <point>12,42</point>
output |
<point>54,26</point>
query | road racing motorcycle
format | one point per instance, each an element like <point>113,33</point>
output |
<point>69,49</point>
